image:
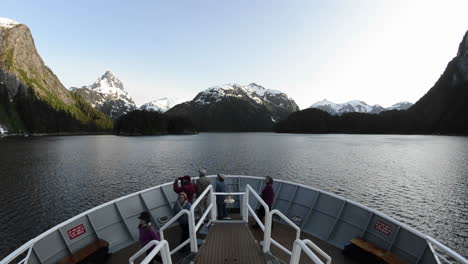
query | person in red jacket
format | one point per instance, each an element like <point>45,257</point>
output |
<point>187,187</point>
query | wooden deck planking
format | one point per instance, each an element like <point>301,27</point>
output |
<point>285,235</point>
<point>230,243</point>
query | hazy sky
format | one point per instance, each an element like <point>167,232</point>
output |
<point>377,51</point>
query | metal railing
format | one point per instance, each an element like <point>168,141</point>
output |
<point>247,208</point>
<point>288,221</point>
<point>159,246</point>
<point>195,226</point>
<point>303,245</point>
<point>192,239</point>
<point>450,255</point>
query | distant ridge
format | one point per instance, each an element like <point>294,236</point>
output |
<point>356,106</point>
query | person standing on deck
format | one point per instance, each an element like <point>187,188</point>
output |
<point>180,205</point>
<point>220,204</point>
<point>202,183</point>
<point>187,187</point>
<point>147,233</point>
<point>268,195</point>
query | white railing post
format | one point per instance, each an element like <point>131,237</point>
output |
<point>159,246</point>
<point>296,254</point>
<point>267,233</point>
<point>245,208</point>
<point>266,230</point>
<point>303,245</point>
<point>214,212</point>
<point>193,235</point>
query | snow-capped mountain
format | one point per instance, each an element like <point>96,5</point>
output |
<point>356,106</point>
<point>161,105</point>
<point>400,106</point>
<point>235,107</point>
<point>108,95</point>
<point>253,91</point>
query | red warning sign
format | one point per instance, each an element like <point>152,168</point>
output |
<point>76,231</point>
<point>383,227</point>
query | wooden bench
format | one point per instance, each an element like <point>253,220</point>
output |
<point>85,252</point>
<point>384,255</point>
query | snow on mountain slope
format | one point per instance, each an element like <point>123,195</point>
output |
<point>108,95</point>
<point>356,106</point>
<point>7,23</point>
<point>400,106</point>
<point>253,91</point>
<point>3,130</point>
<point>161,105</point>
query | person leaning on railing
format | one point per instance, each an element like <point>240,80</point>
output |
<point>202,183</point>
<point>220,204</point>
<point>147,233</point>
<point>180,205</point>
<point>268,195</point>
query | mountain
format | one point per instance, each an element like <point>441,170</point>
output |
<point>107,94</point>
<point>234,107</point>
<point>400,106</point>
<point>160,105</point>
<point>356,106</point>
<point>32,98</point>
<point>442,110</point>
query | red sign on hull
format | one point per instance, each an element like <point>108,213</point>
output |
<point>76,231</point>
<point>383,227</point>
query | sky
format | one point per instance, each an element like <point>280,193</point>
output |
<point>381,52</point>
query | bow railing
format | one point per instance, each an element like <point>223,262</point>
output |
<point>159,246</point>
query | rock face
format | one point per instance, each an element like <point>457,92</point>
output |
<point>234,107</point>
<point>107,94</point>
<point>442,110</point>
<point>356,106</point>
<point>160,105</point>
<point>32,98</point>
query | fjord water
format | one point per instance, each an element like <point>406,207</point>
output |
<point>420,180</point>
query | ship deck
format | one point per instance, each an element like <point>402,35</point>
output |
<point>231,243</point>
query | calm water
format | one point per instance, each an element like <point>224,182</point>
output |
<point>419,180</point>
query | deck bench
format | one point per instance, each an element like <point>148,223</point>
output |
<point>95,252</point>
<point>372,253</point>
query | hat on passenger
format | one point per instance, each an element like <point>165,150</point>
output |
<point>183,194</point>
<point>145,216</point>
<point>221,176</point>
<point>202,172</point>
<point>186,178</point>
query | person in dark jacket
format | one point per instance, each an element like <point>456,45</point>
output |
<point>268,195</point>
<point>147,233</point>
<point>180,205</point>
<point>187,187</point>
<point>220,204</point>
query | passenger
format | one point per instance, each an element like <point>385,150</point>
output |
<point>180,205</point>
<point>147,233</point>
<point>220,204</point>
<point>187,187</point>
<point>202,183</point>
<point>268,195</point>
